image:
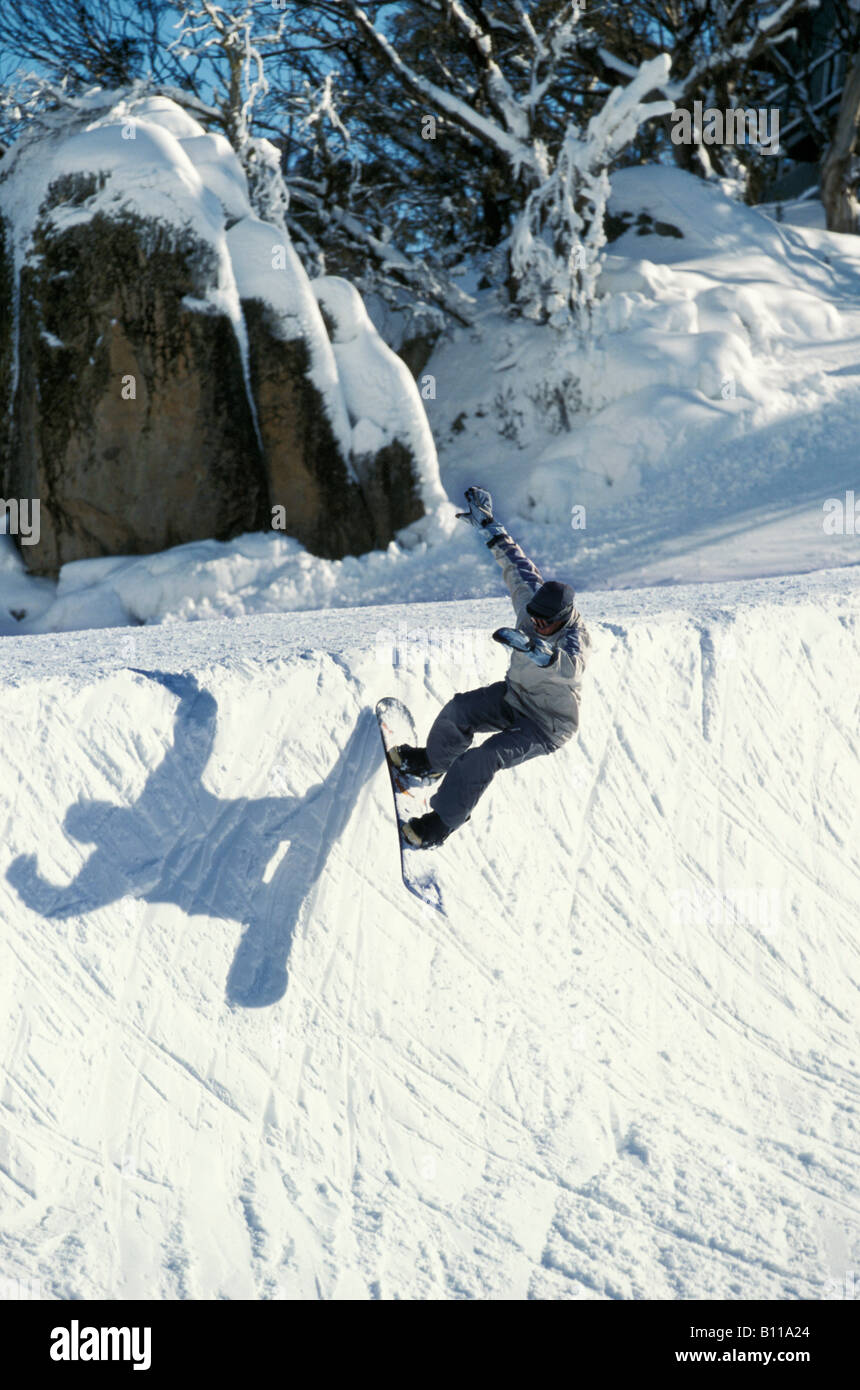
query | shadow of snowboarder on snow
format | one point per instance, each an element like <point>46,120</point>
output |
<point>181,844</point>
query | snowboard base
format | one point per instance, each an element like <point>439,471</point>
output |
<point>396,725</point>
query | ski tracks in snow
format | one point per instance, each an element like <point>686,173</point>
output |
<point>261,1069</point>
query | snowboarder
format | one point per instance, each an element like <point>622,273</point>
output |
<point>535,710</point>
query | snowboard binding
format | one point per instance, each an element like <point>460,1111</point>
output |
<point>413,764</point>
<point>425,832</point>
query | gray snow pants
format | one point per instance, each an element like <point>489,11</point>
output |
<point>469,771</point>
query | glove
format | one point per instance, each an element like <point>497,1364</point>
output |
<point>535,648</point>
<point>480,513</point>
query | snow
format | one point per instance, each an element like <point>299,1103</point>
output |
<point>220,171</point>
<point>805,211</point>
<point>268,269</point>
<point>378,387</point>
<point>161,111</point>
<point>241,1061</point>
<point>720,386</point>
<point>147,171</point>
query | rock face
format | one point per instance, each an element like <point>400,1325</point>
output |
<point>389,427</point>
<point>310,417</point>
<point>158,382</point>
<point>326,506</point>
<point>7,339</point>
<point>131,421</point>
<point>305,467</point>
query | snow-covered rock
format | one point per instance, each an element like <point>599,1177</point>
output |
<point>379,391</point>
<point>165,373</point>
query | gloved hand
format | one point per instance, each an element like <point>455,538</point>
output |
<point>535,648</point>
<point>480,513</point>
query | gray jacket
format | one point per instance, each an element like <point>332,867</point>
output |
<point>547,694</point>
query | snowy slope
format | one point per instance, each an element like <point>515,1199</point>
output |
<point>239,1061</point>
<point>707,423</point>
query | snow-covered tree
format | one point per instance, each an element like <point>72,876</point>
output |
<point>241,38</point>
<point>397,140</point>
<point>556,239</point>
<point>840,176</point>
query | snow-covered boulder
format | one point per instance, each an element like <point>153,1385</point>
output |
<point>165,372</point>
<point>304,425</point>
<point>387,418</point>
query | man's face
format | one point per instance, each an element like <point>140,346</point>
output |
<point>545,627</point>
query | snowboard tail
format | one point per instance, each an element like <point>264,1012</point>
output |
<point>397,726</point>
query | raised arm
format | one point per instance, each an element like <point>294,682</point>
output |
<point>521,576</point>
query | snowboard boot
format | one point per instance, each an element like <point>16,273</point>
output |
<point>426,832</point>
<point>412,762</point>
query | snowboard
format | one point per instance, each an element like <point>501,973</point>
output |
<point>396,725</point>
